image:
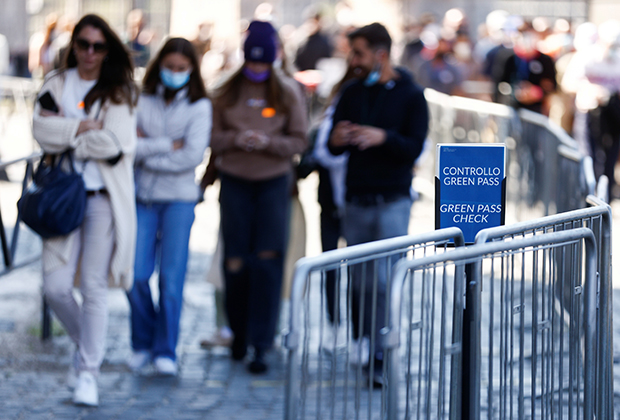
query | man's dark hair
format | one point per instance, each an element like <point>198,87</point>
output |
<point>375,34</point>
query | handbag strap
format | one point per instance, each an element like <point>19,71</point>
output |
<point>61,157</point>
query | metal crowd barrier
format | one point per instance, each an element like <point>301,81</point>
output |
<point>9,248</point>
<point>597,217</point>
<point>323,381</point>
<point>543,162</point>
<point>21,90</point>
<point>542,362</point>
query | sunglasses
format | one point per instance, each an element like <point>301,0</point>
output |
<point>98,47</point>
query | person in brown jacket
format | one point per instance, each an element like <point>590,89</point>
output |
<point>259,123</point>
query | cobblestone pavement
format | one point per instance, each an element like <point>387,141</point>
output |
<point>209,384</point>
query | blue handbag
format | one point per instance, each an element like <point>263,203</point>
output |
<point>55,202</point>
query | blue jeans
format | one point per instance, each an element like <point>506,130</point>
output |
<point>365,224</point>
<point>254,218</point>
<point>163,238</point>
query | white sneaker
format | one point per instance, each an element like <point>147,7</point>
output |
<point>86,392</point>
<point>166,366</point>
<point>139,359</point>
<point>333,340</point>
<point>223,337</point>
<point>360,352</point>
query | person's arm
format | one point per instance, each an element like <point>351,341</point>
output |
<point>321,150</point>
<point>195,142</point>
<point>336,144</point>
<point>147,145</point>
<point>54,133</point>
<point>406,144</point>
<point>152,146</point>
<point>222,137</point>
<point>118,135</point>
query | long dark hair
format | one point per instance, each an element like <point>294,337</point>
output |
<point>277,96</point>
<point>116,76</point>
<point>182,46</point>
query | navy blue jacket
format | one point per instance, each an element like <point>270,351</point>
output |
<point>398,107</point>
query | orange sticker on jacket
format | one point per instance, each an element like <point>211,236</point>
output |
<point>81,105</point>
<point>268,112</point>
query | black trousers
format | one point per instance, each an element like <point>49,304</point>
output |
<point>254,220</point>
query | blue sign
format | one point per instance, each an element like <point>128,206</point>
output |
<point>470,187</point>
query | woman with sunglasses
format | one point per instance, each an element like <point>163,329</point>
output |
<point>95,96</point>
<point>174,127</point>
<point>259,123</point>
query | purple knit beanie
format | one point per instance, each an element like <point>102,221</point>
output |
<point>260,44</point>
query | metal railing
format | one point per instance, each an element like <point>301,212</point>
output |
<point>21,90</point>
<point>543,162</point>
<point>9,247</point>
<point>561,364</point>
<point>443,371</point>
<point>323,381</point>
<point>597,217</point>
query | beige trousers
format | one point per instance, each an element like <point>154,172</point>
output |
<point>87,323</point>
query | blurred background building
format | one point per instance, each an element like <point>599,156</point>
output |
<point>220,22</point>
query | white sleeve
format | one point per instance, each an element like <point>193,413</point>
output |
<point>321,151</point>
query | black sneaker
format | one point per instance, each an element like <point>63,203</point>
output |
<point>378,380</point>
<point>238,350</point>
<point>258,366</point>
<point>377,375</point>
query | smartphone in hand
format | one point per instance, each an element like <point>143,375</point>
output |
<point>48,103</point>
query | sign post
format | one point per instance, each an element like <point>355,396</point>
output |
<point>470,193</point>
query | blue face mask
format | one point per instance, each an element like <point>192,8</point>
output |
<point>174,80</point>
<point>373,77</point>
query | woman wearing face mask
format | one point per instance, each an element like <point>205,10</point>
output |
<point>174,126</point>
<point>259,123</point>
<point>96,119</point>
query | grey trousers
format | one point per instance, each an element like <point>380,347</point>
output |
<point>365,224</point>
<point>86,323</point>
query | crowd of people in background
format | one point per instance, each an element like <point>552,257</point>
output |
<point>348,100</point>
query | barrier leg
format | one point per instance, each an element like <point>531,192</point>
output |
<point>46,321</point>
<point>6,253</point>
<point>470,379</point>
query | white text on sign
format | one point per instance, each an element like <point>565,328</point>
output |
<point>465,176</point>
<point>470,213</point>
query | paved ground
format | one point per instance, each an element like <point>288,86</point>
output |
<point>209,385</point>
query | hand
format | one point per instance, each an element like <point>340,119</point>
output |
<point>527,93</point>
<point>261,140</point>
<point>48,113</point>
<point>209,177</point>
<point>247,140</point>
<point>242,139</point>
<point>178,144</point>
<point>366,136</point>
<point>86,125</point>
<point>342,134</point>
